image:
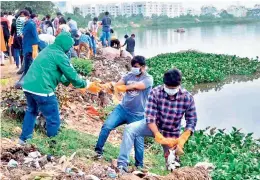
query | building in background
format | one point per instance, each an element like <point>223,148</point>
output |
<point>64,6</point>
<point>237,11</point>
<point>192,12</point>
<point>145,8</point>
<point>209,11</point>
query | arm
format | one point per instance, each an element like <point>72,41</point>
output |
<point>191,116</point>
<point>34,33</point>
<point>70,73</point>
<point>125,43</point>
<point>151,112</point>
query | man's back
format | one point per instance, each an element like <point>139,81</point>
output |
<point>130,44</point>
<point>106,23</point>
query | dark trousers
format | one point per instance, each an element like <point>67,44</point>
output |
<point>27,61</point>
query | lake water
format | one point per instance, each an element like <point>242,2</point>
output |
<point>235,102</point>
<point>242,40</point>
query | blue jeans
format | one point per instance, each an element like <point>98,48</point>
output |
<point>16,56</point>
<point>49,108</point>
<point>105,37</point>
<point>132,132</point>
<point>118,117</point>
<point>94,45</point>
<point>27,61</point>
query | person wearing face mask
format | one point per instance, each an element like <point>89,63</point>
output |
<point>136,85</point>
<point>166,106</point>
<point>50,68</point>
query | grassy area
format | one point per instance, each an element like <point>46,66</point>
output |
<point>67,141</point>
<point>199,67</point>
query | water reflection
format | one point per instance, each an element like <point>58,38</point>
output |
<point>234,102</point>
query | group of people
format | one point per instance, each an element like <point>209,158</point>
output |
<point>156,112</point>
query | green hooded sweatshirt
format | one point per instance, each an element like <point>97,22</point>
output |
<point>51,67</point>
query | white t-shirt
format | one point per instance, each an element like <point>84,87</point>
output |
<point>50,31</point>
<point>64,28</point>
<point>93,27</point>
<point>49,39</point>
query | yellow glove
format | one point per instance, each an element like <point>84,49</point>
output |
<point>159,138</point>
<point>94,87</point>
<point>35,51</point>
<point>182,140</point>
<point>120,88</point>
<point>10,41</point>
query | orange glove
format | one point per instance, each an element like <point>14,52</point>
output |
<point>10,41</point>
<point>159,138</point>
<point>120,88</point>
<point>94,87</point>
<point>182,140</point>
<point>35,51</point>
<point>108,87</point>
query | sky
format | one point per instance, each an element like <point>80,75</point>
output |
<point>196,4</point>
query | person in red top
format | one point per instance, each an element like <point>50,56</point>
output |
<point>6,29</point>
<point>34,17</point>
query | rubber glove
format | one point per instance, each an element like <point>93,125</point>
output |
<point>108,87</point>
<point>120,88</point>
<point>181,141</point>
<point>159,138</point>
<point>93,87</point>
<point>10,41</point>
<point>35,51</point>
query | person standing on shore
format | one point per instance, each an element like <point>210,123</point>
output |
<point>93,29</point>
<point>106,23</point>
<point>130,45</point>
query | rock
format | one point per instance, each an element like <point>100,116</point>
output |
<point>12,163</point>
<point>129,176</point>
<point>111,173</point>
<point>91,177</point>
<point>110,53</point>
<point>34,155</point>
<point>125,54</point>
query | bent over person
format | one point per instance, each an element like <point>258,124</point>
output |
<point>136,85</point>
<point>166,106</point>
<point>51,67</point>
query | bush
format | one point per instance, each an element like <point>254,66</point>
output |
<point>82,66</point>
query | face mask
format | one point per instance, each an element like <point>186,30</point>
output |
<point>171,92</point>
<point>136,71</point>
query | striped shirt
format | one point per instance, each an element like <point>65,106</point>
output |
<point>19,25</point>
<point>167,111</point>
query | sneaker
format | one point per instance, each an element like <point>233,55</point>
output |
<point>21,142</point>
<point>98,156</point>
<point>122,170</point>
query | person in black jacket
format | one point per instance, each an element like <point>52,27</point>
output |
<point>16,46</point>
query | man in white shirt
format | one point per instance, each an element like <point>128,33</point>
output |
<point>93,29</point>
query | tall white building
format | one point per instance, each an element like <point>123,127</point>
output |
<point>146,8</point>
<point>237,11</point>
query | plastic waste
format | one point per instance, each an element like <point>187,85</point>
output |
<point>12,163</point>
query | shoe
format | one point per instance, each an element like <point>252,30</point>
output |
<point>21,142</point>
<point>98,156</point>
<point>122,170</point>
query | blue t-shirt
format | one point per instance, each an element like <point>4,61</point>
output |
<point>135,101</point>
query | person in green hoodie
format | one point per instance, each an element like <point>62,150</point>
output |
<point>51,67</point>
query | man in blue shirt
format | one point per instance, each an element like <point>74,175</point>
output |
<point>73,26</point>
<point>30,41</point>
<point>106,23</point>
<point>137,85</point>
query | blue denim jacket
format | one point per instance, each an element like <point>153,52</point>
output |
<point>30,36</point>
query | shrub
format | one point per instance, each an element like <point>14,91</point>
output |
<point>82,66</point>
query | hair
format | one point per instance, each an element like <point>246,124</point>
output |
<point>50,25</point>
<point>87,33</point>
<point>111,31</point>
<point>126,36</point>
<point>77,35</point>
<point>62,20</point>
<point>95,19</point>
<point>44,18</point>
<point>33,16</point>
<point>106,13</point>
<point>10,13</point>
<point>132,35</point>
<point>59,14</point>
<point>28,9</point>
<point>139,60</point>
<point>5,13</point>
<point>24,12</point>
<point>69,18</point>
<point>48,16</point>
<point>172,77</point>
